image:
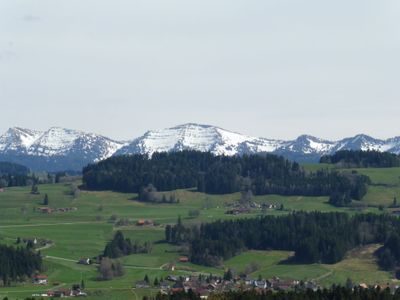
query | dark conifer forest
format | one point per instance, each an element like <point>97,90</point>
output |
<point>263,174</point>
<point>314,237</point>
<point>362,159</point>
<point>17,263</point>
<point>12,174</point>
<point>389,254</point>
<point>12,168</point>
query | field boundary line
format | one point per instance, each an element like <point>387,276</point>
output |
<point>51,224</point>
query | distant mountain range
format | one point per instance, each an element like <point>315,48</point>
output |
<point>64,149</point>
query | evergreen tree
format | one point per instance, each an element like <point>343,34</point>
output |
<point>46,200</point>
<point>349,283</point>
<point>228,275</point>
<point>168,231</point>
<point>34,189</point>
<point>29,245</point>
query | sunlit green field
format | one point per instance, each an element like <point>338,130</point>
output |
<point>84,233</point>
<point>359,265</point>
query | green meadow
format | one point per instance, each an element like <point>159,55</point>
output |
<point>84,233</point>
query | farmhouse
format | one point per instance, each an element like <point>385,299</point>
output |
<point>85,261</point>
<point>62,293</point>
<point>34,241</point>
<point>142,284</point>
<point>178,287</point>
<point>140,222</point>
<point>143,222</point>
<point>172,278</point>
<point>49,210</point>
<point>237,211</point>
<point>44,210</point>
<point>278,284</point>
<point>260,284</point>
<point>184,259</point>
<point>164,285</point>
<point>40,279</point>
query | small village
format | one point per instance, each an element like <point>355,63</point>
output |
<point>205,285</point>
<point>246,205</point>
<point>201,284</point>
<point>74,291</point>
<point>50,210</point>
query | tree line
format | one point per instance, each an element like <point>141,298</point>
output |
<point>262,174</point>
<point>109,268</point>
<point>336,292</point>
<point>120,246</point>
<point>17,264</point>
<point>389,254</point>
<point>150,194</point>
<point>362,159</point>
<point>315,237</point>
<point>12,174</point>
<point>12,168</point>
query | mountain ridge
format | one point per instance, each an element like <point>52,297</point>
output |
<point>67,149</point>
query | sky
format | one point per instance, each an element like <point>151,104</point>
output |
<point>269,68</point>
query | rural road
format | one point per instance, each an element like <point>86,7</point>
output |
<point>50,224</point>
<point>125,266</point>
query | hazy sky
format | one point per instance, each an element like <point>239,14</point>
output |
<point>271,68</point>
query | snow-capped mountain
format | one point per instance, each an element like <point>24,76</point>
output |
<point>66,149</point>
<point>363,142</point>
<point>61,142</point>
<point>56,148</point>
<point>18,139</point>
<point>221,141</point>
<point>199,137</point>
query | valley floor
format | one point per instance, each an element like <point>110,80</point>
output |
<point>84,233</point>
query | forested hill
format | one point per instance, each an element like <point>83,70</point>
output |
<point>362,159</point>
<point>314,237</point>
<point>8,168</point>
<point>263,174</point>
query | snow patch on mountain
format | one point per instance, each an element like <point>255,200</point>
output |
<point>60,148</point>
<point>223,142</point>
<point>18,139</point>
<point>198,137</point>
<point>57,142</point>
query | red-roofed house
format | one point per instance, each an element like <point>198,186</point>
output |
<point>40,279</point>
<point>183,259</point>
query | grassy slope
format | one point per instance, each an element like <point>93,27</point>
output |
<point>359,265</point>
<point>386,183</point>
<point>83,233</point>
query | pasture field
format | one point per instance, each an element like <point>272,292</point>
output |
<point>84,233</point>
<point>359,265</point>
